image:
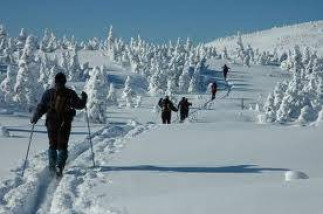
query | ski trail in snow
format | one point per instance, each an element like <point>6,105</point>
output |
<point>35,190</point>
<point>73,193</point>
<point>38,193</point>
<point>191,115</point>
<point>45,193</point>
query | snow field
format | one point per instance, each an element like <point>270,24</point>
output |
<point>36,193</point>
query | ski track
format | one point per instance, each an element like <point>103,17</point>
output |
<point>38,193</point>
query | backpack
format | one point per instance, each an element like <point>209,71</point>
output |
<point>59,103</point>
<point>166,106</point>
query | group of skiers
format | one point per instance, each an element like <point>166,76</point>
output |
<point>167,105</point>
<point>60,104</point>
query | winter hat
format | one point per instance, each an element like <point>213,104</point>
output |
<point>60,78</point>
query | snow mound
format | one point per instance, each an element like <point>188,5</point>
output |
<point>295,175</point>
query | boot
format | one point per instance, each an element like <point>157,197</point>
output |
<point>52,158</point>
<point>61,159</point>
<point>59,171</point>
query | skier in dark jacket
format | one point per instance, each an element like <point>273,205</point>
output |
<point>59,104</point>
<point>184,107</point>
<point>214,89</point>
<point>167,107</point>
<point>225,71</point>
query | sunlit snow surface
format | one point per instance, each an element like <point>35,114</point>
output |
<point>221,160</point>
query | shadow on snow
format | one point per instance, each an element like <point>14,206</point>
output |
<point>192,169</point>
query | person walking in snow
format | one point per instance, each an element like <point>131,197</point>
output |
<point>225,69</point>
<point>59,104</point>
<point>214,89</point>
<point>183,107</point>
<point>167,107</point>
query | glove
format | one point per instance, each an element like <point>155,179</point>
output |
<point>84,96</point>
<point>33,120</point>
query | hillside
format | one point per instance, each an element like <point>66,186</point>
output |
<point>308,34</point>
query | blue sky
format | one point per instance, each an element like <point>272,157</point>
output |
<point>202,20</point>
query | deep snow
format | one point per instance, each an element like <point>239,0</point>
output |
<point>221,160</point>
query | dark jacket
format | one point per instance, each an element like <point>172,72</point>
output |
<point>214,87</point>
<point>225,68</point>
<point>166,105</point>
<point>74,102</point>
<point>184,105</point>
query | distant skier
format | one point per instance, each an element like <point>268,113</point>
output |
<point>59,104</point>
<point>214,89</point>
<point>225,71</point>
<point>167,107</point>
<point>184,107</point>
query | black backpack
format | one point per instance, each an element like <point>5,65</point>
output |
<point>60,104</point>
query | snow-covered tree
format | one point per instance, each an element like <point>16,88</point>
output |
<point>44,75</point>
<point>7,85</point>
<point>171,85</point>
<point>270,110</point>
<point>25,88</point>
<point>279,94</point>
<point>52,43</point>
<point>96,104</point>
<point>21,39</point>
<point>138,101</point>
<point>297,61</point>
<point>109,43</point>
<point>184,78</point>
<point>306,56</point>
<point>282,115</point>
<point>188,45</point>
<point>51,78</point>
<point>93,44</point>
<point>3,33</point>
<point>128,98</point>
<point>263,60</point>
<point>307,115</point>
<point>75,71</point>
<point>64,63</point>
<point>28,52</point>
<point>153,89</point>
<point>247,60</point>
<point>225,53</point>
<point>194,83</point>
<point>112,96</point>
<point>128,94</point>
<point>45,40</point>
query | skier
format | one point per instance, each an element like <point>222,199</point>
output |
<point>214,88</point>
<point>167,107</point>
<point>59,104</point>
<point>225,71</point>
<point>183,107</point>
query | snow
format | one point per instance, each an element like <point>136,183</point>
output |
<point>294,175</point>
<point>222,159</point>
<point>307,34</point>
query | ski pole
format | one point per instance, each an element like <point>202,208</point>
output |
<point>90,140</point>
<point>26,159</point>
<point>157,115</point>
